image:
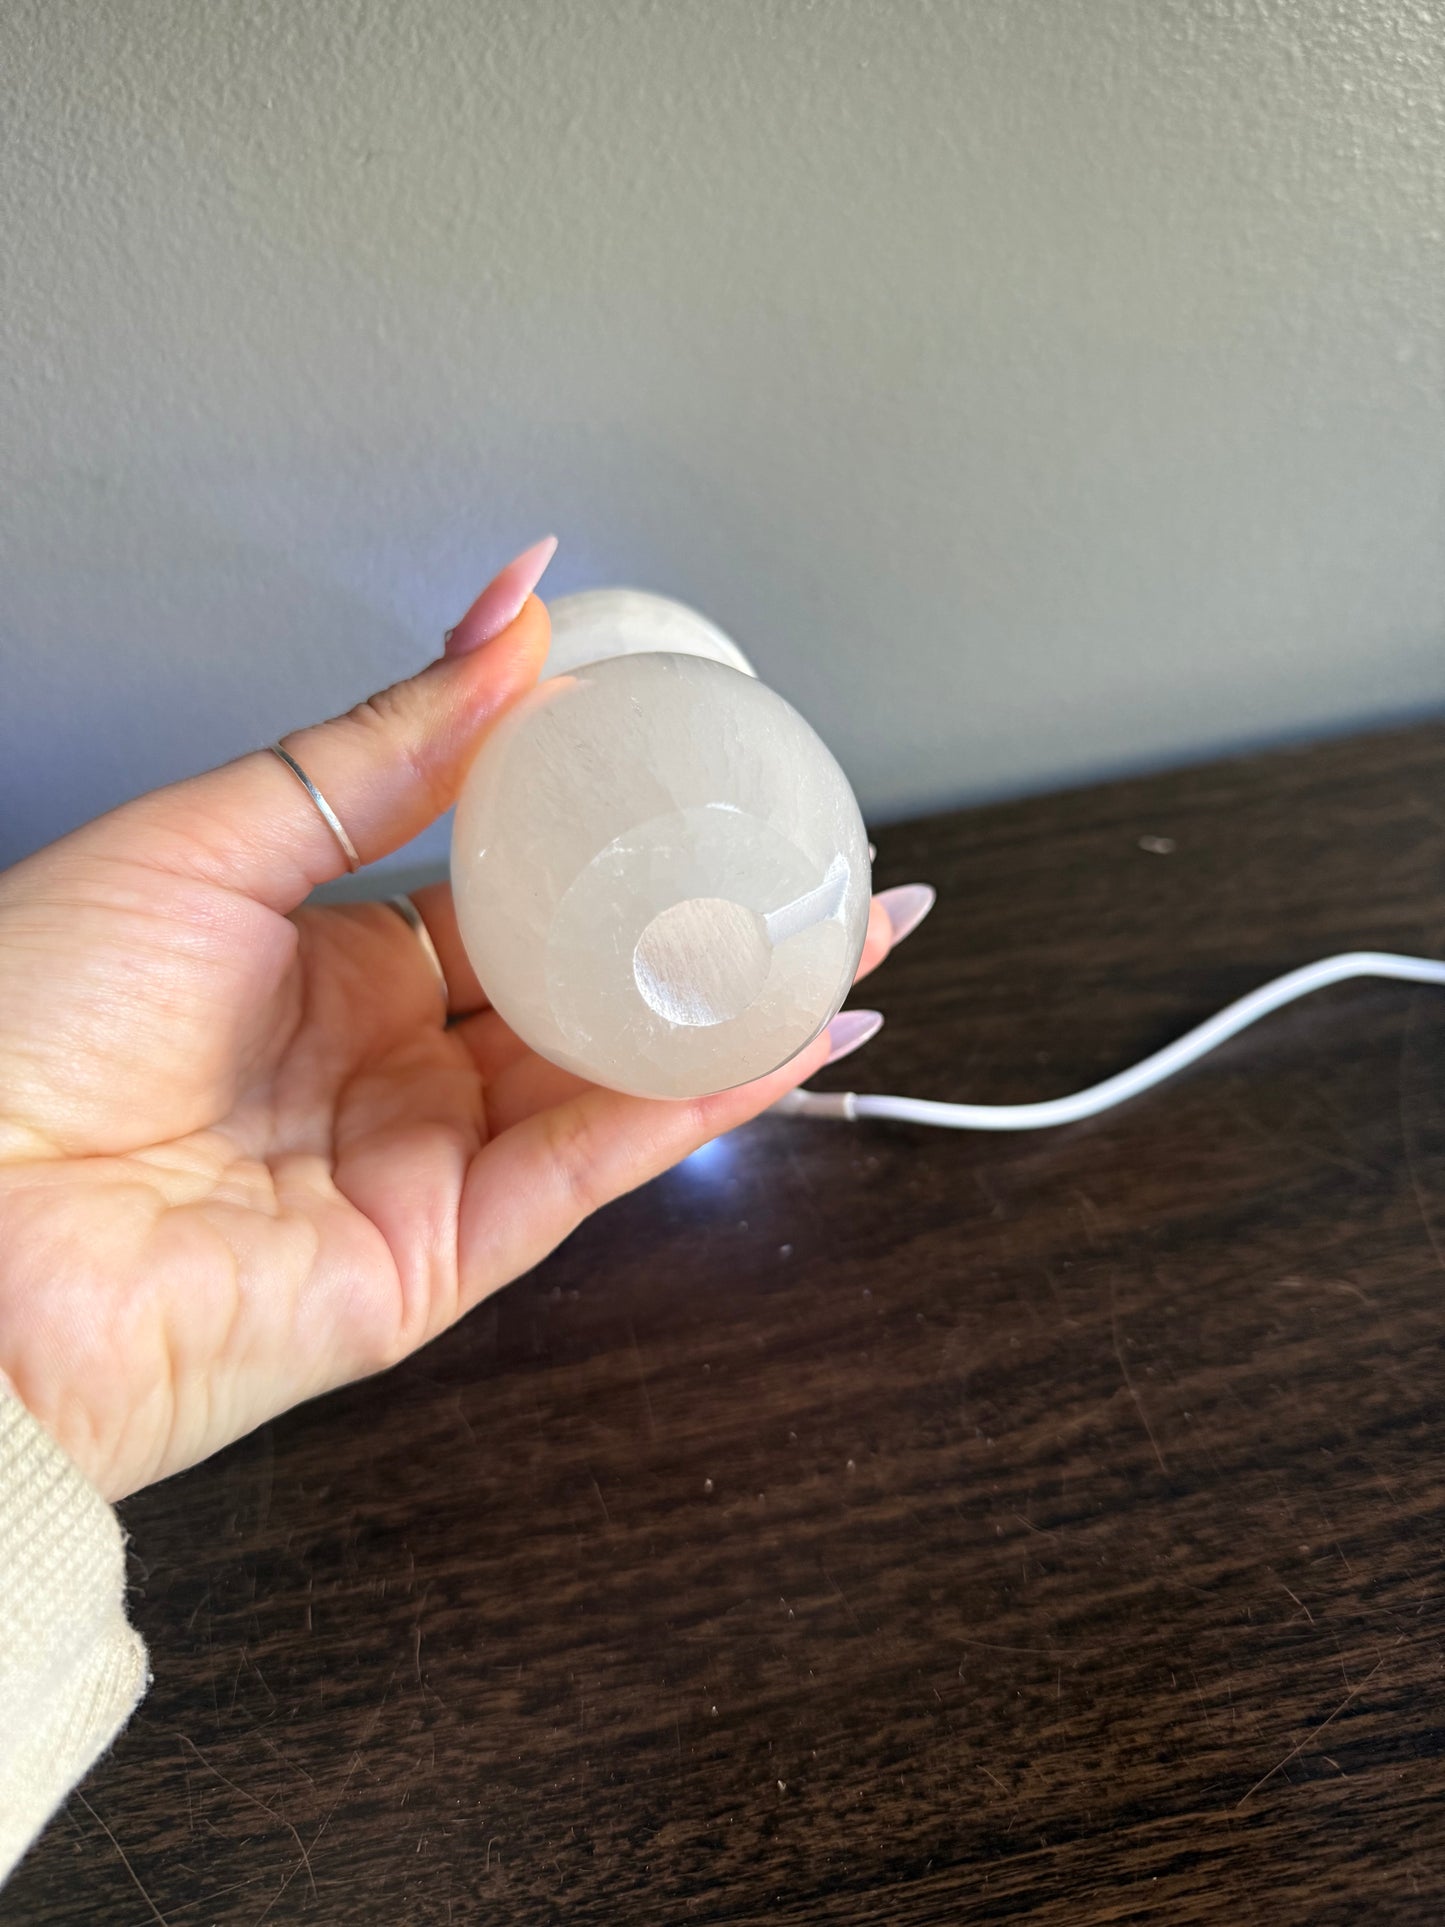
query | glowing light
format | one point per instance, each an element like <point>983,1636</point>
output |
<point>709,1161</point>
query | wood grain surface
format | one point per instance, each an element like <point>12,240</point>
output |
<point>871,1525</point>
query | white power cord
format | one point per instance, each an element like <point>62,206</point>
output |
<point>1235,1017</point>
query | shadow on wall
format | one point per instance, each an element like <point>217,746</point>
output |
<point>166,664</point>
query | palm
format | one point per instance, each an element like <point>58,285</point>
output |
<point>252,1155</point>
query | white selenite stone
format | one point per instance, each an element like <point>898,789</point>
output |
<point>628,622</point>
<point>660,873</point>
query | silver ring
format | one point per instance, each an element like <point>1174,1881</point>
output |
<point>332,820</point>
<point>410,915</point>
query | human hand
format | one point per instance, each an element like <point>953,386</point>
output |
<point>243,1158</point>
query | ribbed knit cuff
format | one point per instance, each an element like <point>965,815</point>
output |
<point>72,1669</point>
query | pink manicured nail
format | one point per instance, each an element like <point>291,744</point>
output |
<point>850,1030</point>
<point>500,603</point>
<point>907,905</point>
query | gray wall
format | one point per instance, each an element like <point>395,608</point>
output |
<point>1035,387</point>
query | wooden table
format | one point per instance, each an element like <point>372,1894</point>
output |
<point>872,1525</point>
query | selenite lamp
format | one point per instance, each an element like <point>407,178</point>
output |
<point>660,873</point>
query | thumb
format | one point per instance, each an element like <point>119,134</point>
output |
<point>387,768</point>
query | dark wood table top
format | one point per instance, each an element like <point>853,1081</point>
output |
<point>867,1524</point>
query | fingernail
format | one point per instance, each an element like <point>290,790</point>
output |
<point>850,1030</point>
<point>500,603</point>
<point>907,906</point>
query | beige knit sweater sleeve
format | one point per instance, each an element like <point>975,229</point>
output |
<point>71,1668</point>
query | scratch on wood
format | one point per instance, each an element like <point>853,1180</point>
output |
<point>236,1682</point>
<point>255,1802</point>
<point>1128,1381</point>
<point>260,1681</point>
<point>281,1760</point>
<point>124,1861</point>
<point>466,1426</point>
<point>642,1379</point>
<point>1295,1751</point>
<point>355,1763</point>
<point>1299,1602</point>
<point>1089,1212</point>
<point>847,1603</point>
<point>1044,1532</point>
<point>987,1646</point>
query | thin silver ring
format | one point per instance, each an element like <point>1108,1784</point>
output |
<point>410,915</point>
<point>330,818</point>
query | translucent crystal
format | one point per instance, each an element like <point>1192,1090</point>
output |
<point>629,622</point>
<point>660,874</point>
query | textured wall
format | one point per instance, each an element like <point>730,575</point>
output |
<point>1035,387</point>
